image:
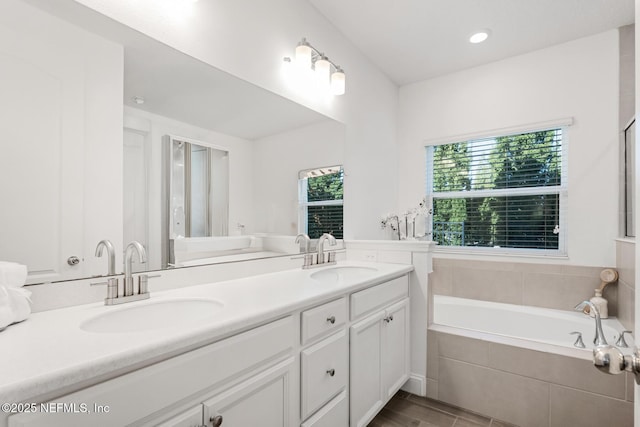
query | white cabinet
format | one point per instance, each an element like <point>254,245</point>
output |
<point>379,348</point>
<point>189,418</point>
<point>262,400</point>
<point>333,414</point>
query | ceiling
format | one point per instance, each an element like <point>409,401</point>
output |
<point>413,40</point>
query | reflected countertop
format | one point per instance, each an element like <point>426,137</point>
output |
<point>49,354</point>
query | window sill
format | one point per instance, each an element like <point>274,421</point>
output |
<point>496,254</point>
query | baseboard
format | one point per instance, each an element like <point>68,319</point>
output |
<point>416,384</point>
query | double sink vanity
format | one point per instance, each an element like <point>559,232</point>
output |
<point>318,347</point>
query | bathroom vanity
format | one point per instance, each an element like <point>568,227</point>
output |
<point>319,347</point>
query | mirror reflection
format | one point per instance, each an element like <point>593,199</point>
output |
<point>86,106</point>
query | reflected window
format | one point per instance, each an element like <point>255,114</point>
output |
<point>321,195</point>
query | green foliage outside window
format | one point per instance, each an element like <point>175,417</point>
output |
<point>509,162</point>
<point>325,218</point>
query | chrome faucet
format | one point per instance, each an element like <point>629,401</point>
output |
<point>112,282</point>
<point>106,244</point>
<point>308,257</point>
<point>599,339</point>
<point>321,240</point>
<point>128,261</point>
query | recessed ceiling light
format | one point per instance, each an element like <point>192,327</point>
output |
<point>479,37</point>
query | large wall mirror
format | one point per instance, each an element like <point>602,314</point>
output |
<point>89,108</point>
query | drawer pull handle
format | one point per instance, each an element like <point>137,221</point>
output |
<point>331,372</point>
<point>331,319</point>
<point>389,318</point>
<point>216,421</point>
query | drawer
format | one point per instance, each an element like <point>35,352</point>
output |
<point>323,319</point>
<point>325,369</point>
<point>333,414</point>
<point>378,296</point>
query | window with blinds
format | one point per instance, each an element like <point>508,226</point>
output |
<point>321,194</point>
<point>499,192</point>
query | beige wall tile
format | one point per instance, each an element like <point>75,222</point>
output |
<point>432,389</point>
<point>488,285</point>
<point>631,381</point>
<point>557,291</point>
<point>539,268</point>
<point>464,349</point>
<point>441,280</point>
<point>512,398</point>
<point>578,270</point>
<point>626,306</point>
<point>570,407</point>
<point>626,262</point>
<point>553,368</point>
<point>432,354</point>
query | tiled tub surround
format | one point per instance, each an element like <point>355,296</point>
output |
<point>540,285</point>
<point>527,386</point>
<point>51,356</point>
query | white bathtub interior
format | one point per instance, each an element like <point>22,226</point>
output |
<point>531,327</point>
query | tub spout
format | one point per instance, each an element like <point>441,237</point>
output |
<point>599,339</point>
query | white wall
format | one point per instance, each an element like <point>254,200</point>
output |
<point>277,161</point>
<point>249,38</point>
<point>154,127</point>
<point>578,79</point>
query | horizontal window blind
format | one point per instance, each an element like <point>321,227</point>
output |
<point>502,192</point>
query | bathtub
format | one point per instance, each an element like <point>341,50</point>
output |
<point>534,328</point>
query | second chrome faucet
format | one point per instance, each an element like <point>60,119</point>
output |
<point>319,260</point>
<point>129,292</point>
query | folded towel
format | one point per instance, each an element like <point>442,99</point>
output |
<point>15,305</point>
<point>12,274</point>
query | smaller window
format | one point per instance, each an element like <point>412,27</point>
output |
<point>320,195</point>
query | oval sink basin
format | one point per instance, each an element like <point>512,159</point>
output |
<point>153,315</point>
<point>341,274</point>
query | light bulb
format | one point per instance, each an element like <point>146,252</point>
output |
<point>338,80</point>
<point>479,37</point>
<point>323,70</point>
<point>303,55</point>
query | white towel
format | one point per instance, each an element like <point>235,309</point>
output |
<point>12,274</point>
<point>15,305</point>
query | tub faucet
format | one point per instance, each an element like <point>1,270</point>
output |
<point>321,240</point>
<point>599,339</point>
<point>128,261</point>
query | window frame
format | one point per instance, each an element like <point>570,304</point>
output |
<point>303,201</point>
<point>562,190</point>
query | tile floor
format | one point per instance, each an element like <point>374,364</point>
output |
<point>408,410</point>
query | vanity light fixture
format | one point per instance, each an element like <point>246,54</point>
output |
<point>326,72</point>
<point>479,36</point>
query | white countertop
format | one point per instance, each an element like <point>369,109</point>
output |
<point>49,354</point>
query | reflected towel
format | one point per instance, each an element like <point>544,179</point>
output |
<point>12,274</point>
<point>15,305</point>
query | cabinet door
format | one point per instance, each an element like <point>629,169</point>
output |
<point>365,368</point>
<point>333,414</point>
<point>262,400</point>
<point>395,348</point>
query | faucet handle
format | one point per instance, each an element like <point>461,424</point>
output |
<point>621,342</point>
<point>578,343</point>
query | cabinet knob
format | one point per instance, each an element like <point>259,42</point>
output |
<point>389,318</point>
<point>73,260</point>
<point>331,319</point>
<point>216,421</point>
<point>331,372</point>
